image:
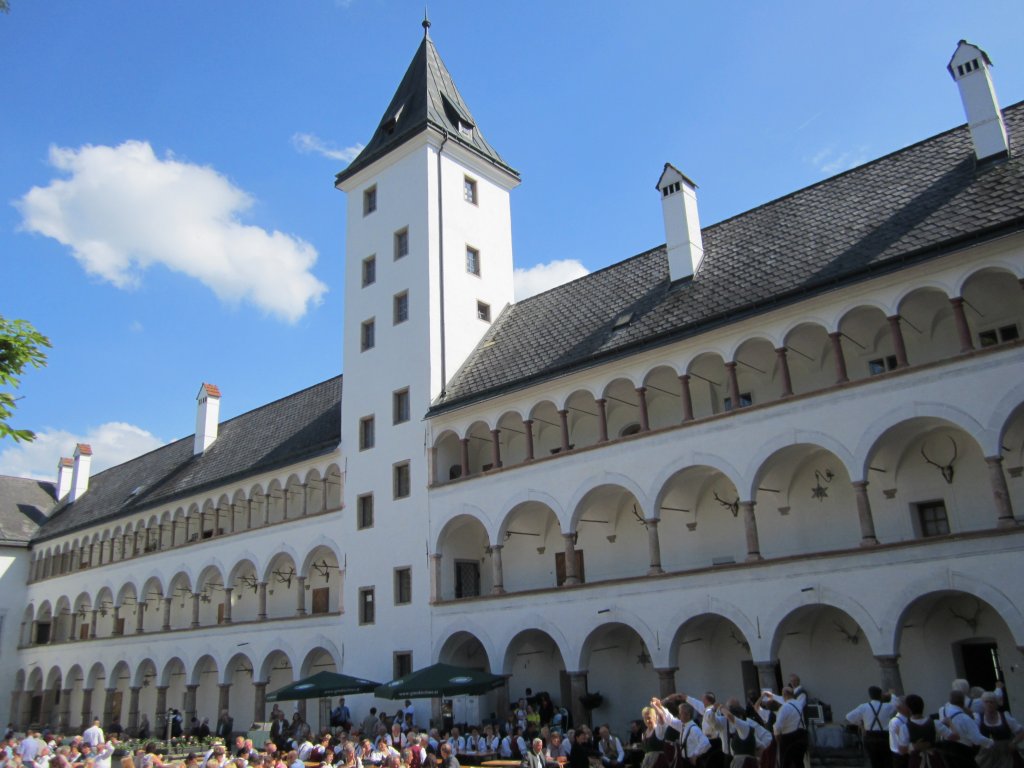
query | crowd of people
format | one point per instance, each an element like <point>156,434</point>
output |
<point>767,730</point>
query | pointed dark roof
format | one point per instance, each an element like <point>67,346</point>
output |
<point>918,203</point>
<point>426,98</point>
<point>23,507</point>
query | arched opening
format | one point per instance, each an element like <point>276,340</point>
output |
<point>151,603</point>
<point>281,586</point>
<point>713,654</point>
<point>699,508</point>
<point>44,624</point>
<point>465,559</point>
<point>115,708</point>
<point>242,698</point>
<point>533,660</point>
<point>174,678</point>
<point>244,581</point>
<point>104,613</point>
<point>664,397</point>
<point>619,667</point>
<point>127,604</point>
<point>464,649</point>
<point>277,671</point>
<point>210,588</point>
<point>334,485</point>
<point>318,711</point>
<point>708,384</point>
<point>611,540</point>
<point>622,404</point>
<point>481,448</point>
<point>258,508</point>
<point>1011,444</point>
<point>207,706</point>
<point>583,419</point>
<point>146,681</point>
<point>993,307</point>
<point>447,457</point>
<point>812,364</point>
<point>180,592</point>
<point>532,541</point>
<point>62,620</point>
<point>275,500</point>
<point>867,343</point>
<point>323,581</point>
<point>513,439</point>
<point>928,326</point>
<point>758,373</point>
<point>547,429</point>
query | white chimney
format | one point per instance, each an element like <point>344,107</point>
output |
<point>64,470</point>
<point>207,417</point>
<point>969,67</point>
<point>682,226</point>
<point>80,472</point>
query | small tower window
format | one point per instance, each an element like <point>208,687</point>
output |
<point>401,308</point>
<point>469,190</point>
<point>366,433</point>
<point>364,505</point>
<point>369,200</point>
<point>473,261</point>
<point>483,311</point>
<point>369,270</point>
<point>367,334</point>
<point>400,480</point>
<point>401,243</point>
<point>400,406</point>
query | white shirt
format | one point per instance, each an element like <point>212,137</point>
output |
<point>741,726</point>
<point>790,717</point>
<point>693,740</point>
<point>866,713</point>
<point>966,727</point>
<point>103,754</point>
<point>93,736</point>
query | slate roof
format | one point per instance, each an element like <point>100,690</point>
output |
<point>914,204</point>
<point>426,97</point>
<point>289,430</point>
<point>23,507</point>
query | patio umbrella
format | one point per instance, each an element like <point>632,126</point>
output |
<point>440,680</point>
<point>322,685</point>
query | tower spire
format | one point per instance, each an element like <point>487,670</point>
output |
<point>426,23</point>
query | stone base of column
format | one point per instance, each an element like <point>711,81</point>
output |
<point>753,557</point>
<point>655,570</point>
<point>1006,522</point>
<point>871,542</point>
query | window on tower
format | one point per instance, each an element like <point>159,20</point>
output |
<point>366,433</point>
<point>366,607</point>
<point>483,311</point>
<point>472,261</point>
<point>400,406</point>
<point>403,586</point>
<point>401,307</point>
<point>369,200</point>
<point>401,480</point>
<point>401,243</point>
<point>469,190</point>
<point>369,270</point>
<point>367,335</point>
<point>364,510</point>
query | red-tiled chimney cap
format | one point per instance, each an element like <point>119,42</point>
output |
<point>66,462</point>
<point>84,449</point>
<point>211,390</point>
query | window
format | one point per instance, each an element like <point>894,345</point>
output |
<point>367,335</point>
<point>1000,335</point>
<point>401,307</point>
<point>932,519</point>
<point>400,480</point>
<point>320,600</point>
<point>367,614</point>
<point>403,586</point>
<point>369,200</point>
<point>364,511</point>
<point>469,190</point>
<point>401,243</point>
<point>745,400</point>
<point>400,406</point>
<point>483,312</point>
<point>366,433</point>
<point>881,365</point>
<point>369,270</point>
<point>402,664</point>
<point>473,261</point>
<point>467,578</point>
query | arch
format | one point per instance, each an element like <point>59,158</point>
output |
<point>764,335</point>
<point>798,601</point>
<point>316,545</point>
<point>321,647</point>
<point>1002,416</point>
<point>708,605</point>
<point>448,643</point>
<point>993,266</point>
<point>810,438</point>
<point>602,480</point>
<point>548,630</point>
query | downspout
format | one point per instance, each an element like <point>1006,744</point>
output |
<point>440,260</point>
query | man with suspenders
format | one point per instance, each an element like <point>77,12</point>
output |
<point>693,744</point>
<point>790,728</point>
<point>872,717</point>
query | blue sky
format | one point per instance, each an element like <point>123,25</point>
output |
<point>168,215</point>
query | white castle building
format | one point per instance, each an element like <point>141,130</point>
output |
<point>791,441</point>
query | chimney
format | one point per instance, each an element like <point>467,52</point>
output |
<point>207,417</point>
<point>682,226</point>
<point>969,67</point>
<point>64,469</point>
<point>80,472</point>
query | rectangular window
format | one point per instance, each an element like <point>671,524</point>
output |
<point>403,586</point>
<point>369,200</point>
<point>881,365</point>
<point>401,307</point>
<point>1000,335</point>
<point>402,664</point>
<point>367,335</point>
<point>473,261</point>
<point>369,270</point>
<point>367,612</point>
<point>932,519</point>
<point>320,597</point>
<point>467,578</point>
<point>400,406</point>
<point>401,243</point>
<point>745,399</point>
<point>364,511</point>
<point>366,433</point>
<point>469,190</point>
<point>400,480</point>
<point>483,312</point>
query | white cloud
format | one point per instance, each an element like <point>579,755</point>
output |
<point>307,142</point>
<point>830,162</point>
<point>122,210</point>
<point>112,443</point>
<point>541,277</point>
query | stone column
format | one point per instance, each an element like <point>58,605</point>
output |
<point>262,600</point>
<point>190,702</point>
<point>787,381</point>
<point>167,614</point>
<point>223,698</point>
<point>260,705</point>
<point>108,705</point>
<point>435,578</point>
<point>571,577</point>
<point>116,615</point>
<point>899,346</point>
<point>498,575</point>
<point>64,714</point>
<point>160,720</point>
<point>963,331</point>
<point>266,508</point>
<point>529,439</point>
<point>228,591</point>
<point>734,385</point>
<point>653,546</point>
<point>602,420</point>
<point>86,708</point>
<point>1000,492</point>
<point>464,456</point>
<point>563,416</point>
<point>645,421</point>
<point>33,635</point>
<point>890,673</point>
<point>766,675</point>
<point>133,709</point>
<point>578,687</point>
<point>300,598</point>
<point>305,499</point>
<point>686,402</point>
<point>195,611</point>
<point>750,526</point>
<point>285,493</point>
<point>867,521</point>
<point>73,632</point>
<point>666,681</point>
<point>140,617</point>
<point>92,624</point>
<point>495,448</point>
<point>837,352</point>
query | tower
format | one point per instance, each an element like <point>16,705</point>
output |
<point>428,269</point>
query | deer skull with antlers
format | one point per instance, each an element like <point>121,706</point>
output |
<point>945,469</point>
<point>732,506</point>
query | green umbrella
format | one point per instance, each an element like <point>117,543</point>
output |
<point>322,685</point>
<point>440,680</point>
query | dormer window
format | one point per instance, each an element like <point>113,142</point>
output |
<point>623,321</point>
<point>466,129</point>
<point>391,123</point>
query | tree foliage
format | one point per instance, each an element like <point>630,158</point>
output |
<point>21,345</point>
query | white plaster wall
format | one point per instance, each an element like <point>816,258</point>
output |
<point>14,562</point>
